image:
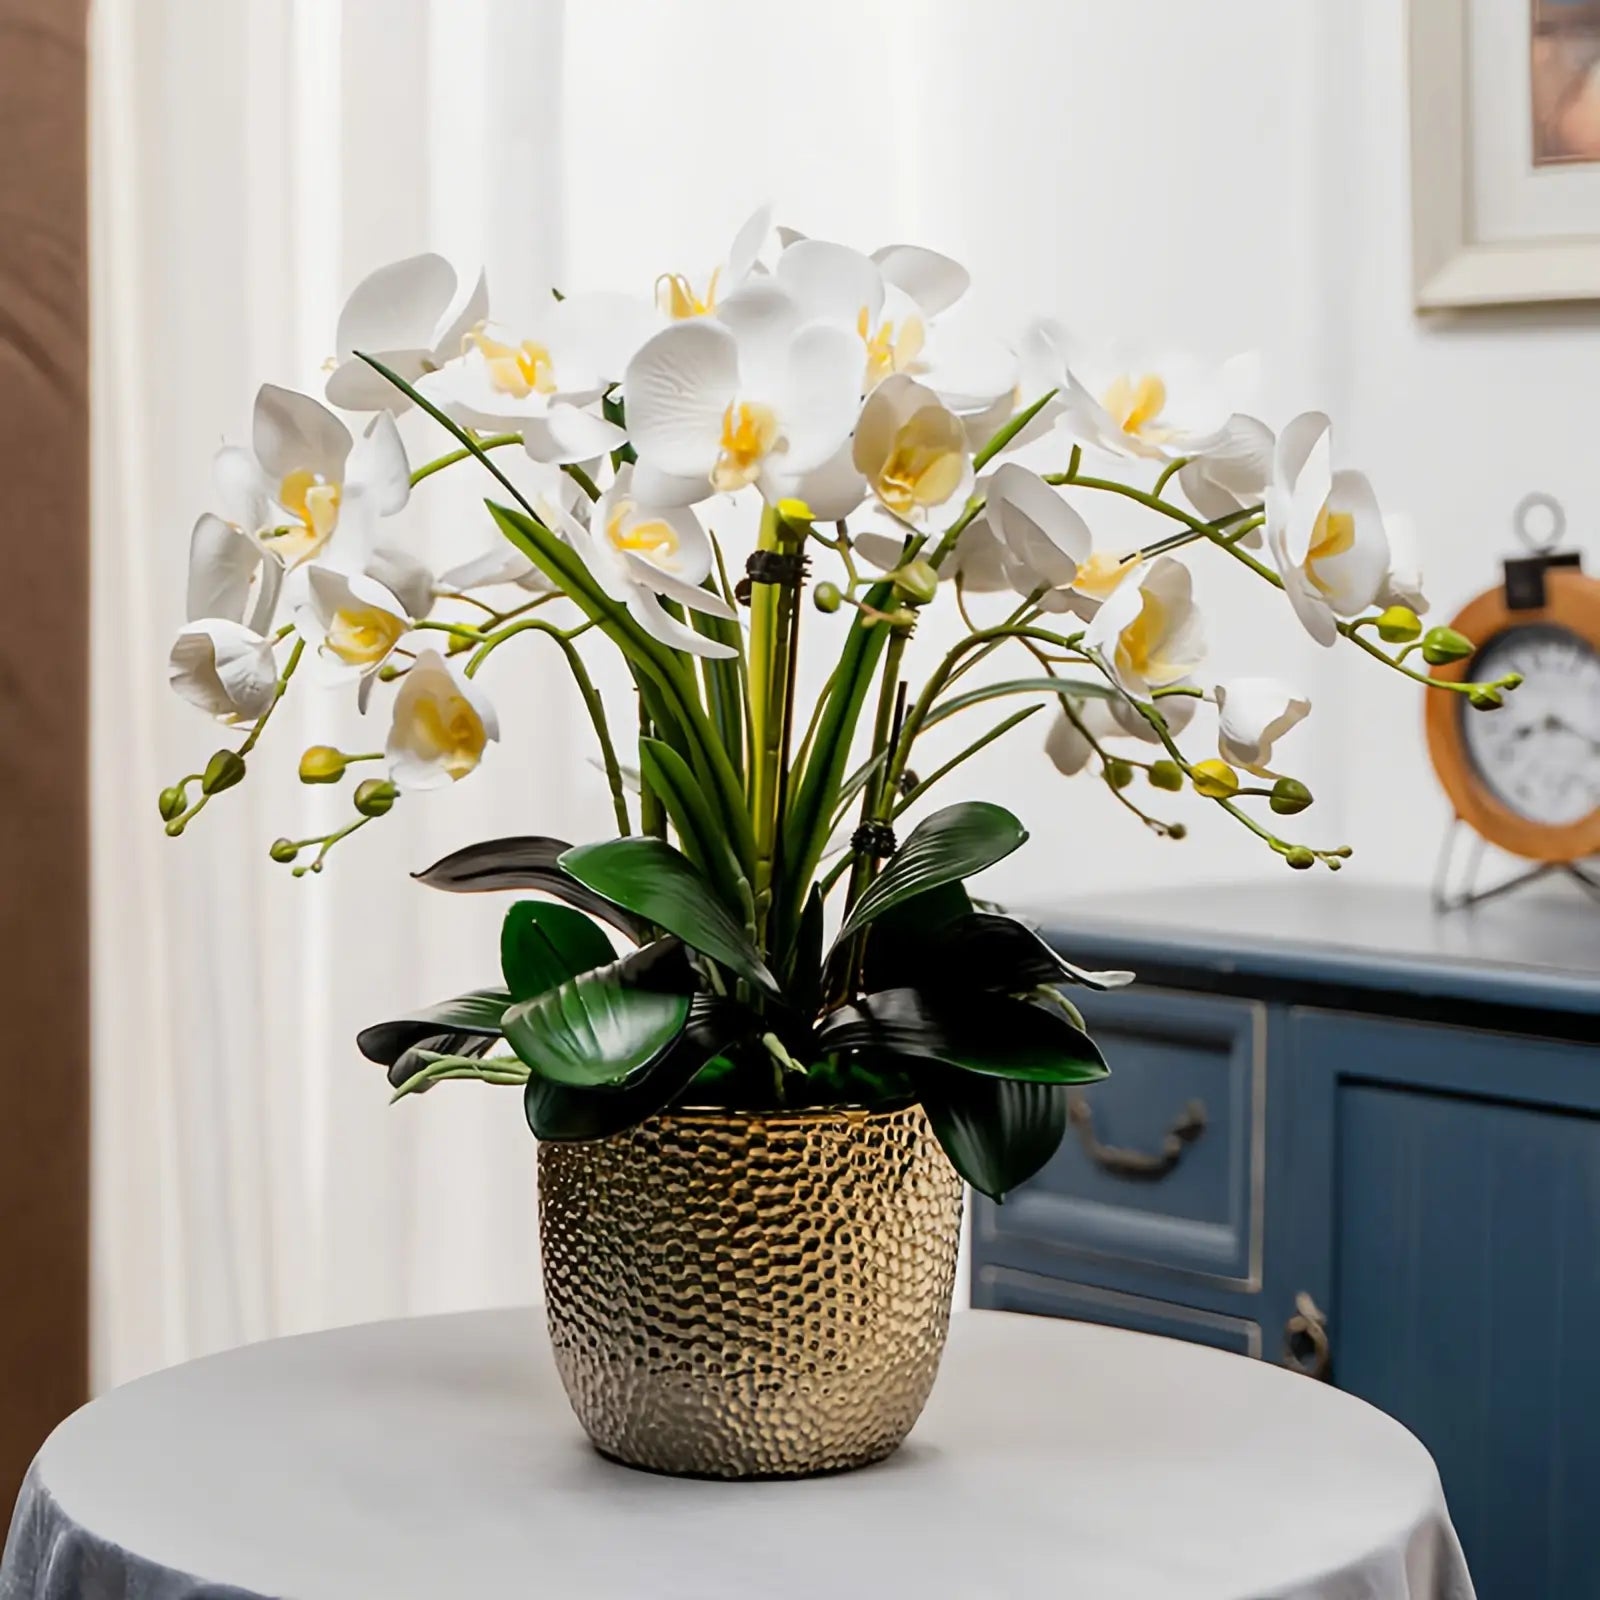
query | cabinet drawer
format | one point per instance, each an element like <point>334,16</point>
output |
<point>1004,1289</point>
<point>1133,1181</point>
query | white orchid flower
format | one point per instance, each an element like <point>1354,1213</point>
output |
<point>978,560</point>
<point>225,668</point>
<point>639,553</point>
<point>1402,585</point>
<point>1324,529</point>
<point>540,383</point>
<point>440,725</point>
<point>1148,631</point>
<point>1252,715</point>
<point>305,477</point>
<point>1231,476</point>
<point>405,315</point>
<point>353,620</point>
<point>679,297</point>
<point>912,450</point>
<point>754,395</point>
<point>550,492</point>
<point>1068,747</point>
<point>898,334</point>
<point>1153,407</point>
<point>230,576</point>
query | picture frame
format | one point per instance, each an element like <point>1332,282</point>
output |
<point>1455,264</point>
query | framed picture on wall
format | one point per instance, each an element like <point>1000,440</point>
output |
<point>1505,151</point>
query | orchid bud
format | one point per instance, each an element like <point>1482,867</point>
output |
<point>1289,796</point>
<point>223,770</point>
<point>172,803</point>
<point>375,797</point>
<point>322,764</point>
<point>1166,775</point>
<point>1445,644</point>
<point>1300,858</point>
<point>1119,774</point>
<point>826,598</point>
<point>283,850</point>
<point>1176,830</point>
<point>1485,697</point>
<point>1216,780</point>
<point>1399,625</point>
<point>916,581</point>
<point>176,826</point>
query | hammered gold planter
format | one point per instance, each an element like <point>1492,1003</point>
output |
<point>740,1295</point>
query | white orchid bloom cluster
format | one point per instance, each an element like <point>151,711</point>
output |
<point>826,384</point>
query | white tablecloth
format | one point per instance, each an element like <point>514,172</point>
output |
<point>437,1458</point>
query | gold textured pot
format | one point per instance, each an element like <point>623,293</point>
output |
<point>742,1294</point>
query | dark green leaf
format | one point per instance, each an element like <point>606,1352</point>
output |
<point>994,1035</point>
<point>944,848</point>
<point>1062,688</point>
<point>997,1133</point>
<point>477,1013</point>
<point>669,778</point>
<point>608,1023</point>
<point>805,982</point>
<point>527,862</point>
<point>542,945</point>
<point>978,950</point>
<point>649,877</point>
<point>566,1111</point>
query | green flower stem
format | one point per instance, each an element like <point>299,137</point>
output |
<point>921,787</point>
<point>952,535</point>
<point>327,842</point>
<point>652,813</point>
<point>1154,824</point>
<point>493,442</point>
<point>582,479</point>
<point>1168,472</point>
<point>592,702</point>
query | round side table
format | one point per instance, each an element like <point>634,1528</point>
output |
<point>437,1458</point>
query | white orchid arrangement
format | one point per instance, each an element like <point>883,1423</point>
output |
<point>845,395</point>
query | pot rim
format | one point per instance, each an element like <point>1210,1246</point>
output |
<point>849,1110</point>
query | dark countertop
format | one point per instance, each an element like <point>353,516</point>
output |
<point>1334,941</point>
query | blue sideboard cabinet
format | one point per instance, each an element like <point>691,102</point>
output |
<point>1351,1136</point>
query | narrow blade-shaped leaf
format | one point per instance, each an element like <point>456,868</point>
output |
<point>526,862</point>
<point>944,848</point>
<point>1061,688</point>
<point>668,776</point>
<point>542,945</point>
<point>477,1013</point>
<point>650,878</point>
<point>993,1035</point>
<point>996,1132</point>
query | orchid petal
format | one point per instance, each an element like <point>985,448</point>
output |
<point>294,433</point>
<point>679,385</point>
<point>933,280</point>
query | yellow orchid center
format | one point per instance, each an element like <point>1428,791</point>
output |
<point>1136,404</point>
<point>361,636</point>
<point>653,538</point>
<point>1332,535</point>
<point>924,464</point>
<point>447,731</point>
<point>677,298</point>
<point>1140,643</point>
<point>515,369</point>
<point>314,505</point>
<point>749,433</point>
<point>1100,574</point>
<point>889,350</point>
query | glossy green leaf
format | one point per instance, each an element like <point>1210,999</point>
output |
<point>567,1111</point>
<point>526,862</point>
<point>477,1013</point>
<point>542,945</point>
<point>944,848</point>
<point>996,1132</point>
<point>805,982</point>
<point>594,1029</point>
<point>410,1062</point>
<point>650,878</point>
<point>668,776</point>
<point>1061,688</point>
<point>994,1035</point>
<point>975,950</point>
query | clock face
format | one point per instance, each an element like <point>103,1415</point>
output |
<point>1539,754</point>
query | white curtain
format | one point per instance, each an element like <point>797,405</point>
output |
<point>252,159</point>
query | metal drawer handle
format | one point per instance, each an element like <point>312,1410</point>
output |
<point>1190,1125</point>
<point>1306,1347</point>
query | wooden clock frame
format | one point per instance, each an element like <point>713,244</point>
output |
<point>1572,602</point>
